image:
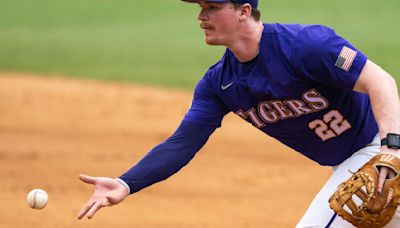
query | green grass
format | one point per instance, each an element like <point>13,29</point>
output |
<point>159,41</point>
<point>372,26</point>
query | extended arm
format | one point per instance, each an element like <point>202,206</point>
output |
<point>168,157</point>
<point>160,163</point>
<point>383,93</point>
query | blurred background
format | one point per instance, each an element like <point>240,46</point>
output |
<point>159,41</point>
<point>90,86</point>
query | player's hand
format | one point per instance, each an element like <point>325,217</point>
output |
<point>107,192</point>
<point>385,172</point>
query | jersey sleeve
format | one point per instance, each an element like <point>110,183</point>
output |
<point>206,107</point>
<point>168,157</point>
<point>319,54</point>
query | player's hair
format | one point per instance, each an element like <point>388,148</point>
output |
<point>255,13</point>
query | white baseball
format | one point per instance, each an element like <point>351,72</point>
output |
<point>37,198</point>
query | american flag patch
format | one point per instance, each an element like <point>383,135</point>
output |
<point>346,58</point>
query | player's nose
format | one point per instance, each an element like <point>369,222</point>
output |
<point>202,15</point>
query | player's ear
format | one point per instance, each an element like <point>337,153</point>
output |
<point>245,11</point>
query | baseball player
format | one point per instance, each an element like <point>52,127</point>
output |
<point>302,84</point>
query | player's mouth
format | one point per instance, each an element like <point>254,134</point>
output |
<point>206,27</point>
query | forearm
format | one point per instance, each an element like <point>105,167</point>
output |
<point>168,157</point>
<point>382,91</point>
<point>386,110</point>
<point>385,102</point>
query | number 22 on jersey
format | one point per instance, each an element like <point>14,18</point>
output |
<point>332,125</point>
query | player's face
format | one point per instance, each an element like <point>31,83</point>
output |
<point>219,22</point>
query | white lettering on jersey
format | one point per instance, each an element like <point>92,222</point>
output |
<point>276,110</point>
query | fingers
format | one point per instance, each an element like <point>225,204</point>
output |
<point>384,173</point>
<point>87,179</point>
<point>90,209</point>
<point>94,209</point>
<point>85,209</point>
<point>391,174</point>
<point>382,177</point>
<point>99,198</point>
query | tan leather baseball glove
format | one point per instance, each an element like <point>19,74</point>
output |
<point>357,201</point>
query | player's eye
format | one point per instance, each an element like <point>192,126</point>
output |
<point>213,8</point>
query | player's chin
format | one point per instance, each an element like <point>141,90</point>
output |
<point>212,40</point>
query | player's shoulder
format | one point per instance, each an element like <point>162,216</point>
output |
<point>295,30</point>
<point>315,40</point>
<point>302,39</point>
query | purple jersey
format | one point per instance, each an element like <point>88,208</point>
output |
<point>297,90</point>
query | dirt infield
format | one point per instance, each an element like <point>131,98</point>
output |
<point>52,129</point>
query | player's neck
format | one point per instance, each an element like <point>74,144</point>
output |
<point>247,46</point>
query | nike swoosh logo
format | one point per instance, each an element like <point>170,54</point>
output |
<point>224,87</point>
